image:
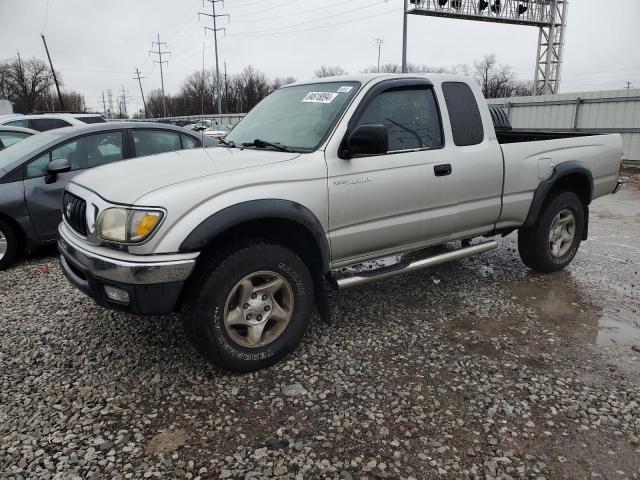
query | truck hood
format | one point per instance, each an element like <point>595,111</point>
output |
<point>128,180</point>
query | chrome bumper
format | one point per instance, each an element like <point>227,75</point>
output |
<point>126,272</point>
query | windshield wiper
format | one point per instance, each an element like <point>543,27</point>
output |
<point>230,144</point>
<point>263,144</point>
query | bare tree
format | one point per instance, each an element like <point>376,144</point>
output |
<point>411,68</point>
<point>497,80</point>
<point>281,82</point>
<point>328,71</point>
<point>25,81</point>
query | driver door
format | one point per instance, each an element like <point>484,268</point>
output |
<point>378,204</point>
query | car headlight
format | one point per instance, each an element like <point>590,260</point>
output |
<point>127,225</point>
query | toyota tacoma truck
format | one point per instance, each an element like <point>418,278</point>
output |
<point>318,187</point>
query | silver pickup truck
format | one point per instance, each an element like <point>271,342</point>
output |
<point>317,185</point>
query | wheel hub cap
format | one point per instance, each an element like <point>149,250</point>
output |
<point>258,309</point>
<point>562,233</point>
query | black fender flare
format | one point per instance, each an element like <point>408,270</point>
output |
<point>244,212</point>
<point>560,171</point>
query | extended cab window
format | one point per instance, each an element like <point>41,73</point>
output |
<point>466,122</point>
<point>150,142</point>
<point>410,115</point>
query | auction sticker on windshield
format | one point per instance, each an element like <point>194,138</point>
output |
<point>319,97</point>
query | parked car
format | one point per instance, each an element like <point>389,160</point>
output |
<point>49,121</point>
<point>12,135</point>
<point>217,131</point>
<point>341,172</point>
<point>34,172</point>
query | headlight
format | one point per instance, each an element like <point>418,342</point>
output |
<point>127,225</point>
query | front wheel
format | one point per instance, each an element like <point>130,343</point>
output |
<point>8,245</point>
<point>552,242</point>
<point>250,308</point>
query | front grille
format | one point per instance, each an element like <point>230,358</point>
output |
<point>74,209</point>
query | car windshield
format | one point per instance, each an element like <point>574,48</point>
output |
<point>26,146</point>
<point>297,117</point>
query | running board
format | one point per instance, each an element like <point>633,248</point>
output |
<point>374,276</point>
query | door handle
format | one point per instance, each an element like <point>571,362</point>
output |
<point>442,170</point>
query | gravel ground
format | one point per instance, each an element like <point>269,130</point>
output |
<point>478,369</point>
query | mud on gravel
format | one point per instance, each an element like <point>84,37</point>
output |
<point>477,369</point>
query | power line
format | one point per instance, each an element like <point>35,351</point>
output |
<point>160,62</point>
<point>318,19</point>
<point>395,10</point>
<point>277,17</point>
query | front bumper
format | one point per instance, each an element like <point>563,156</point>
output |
<point>152,287</point>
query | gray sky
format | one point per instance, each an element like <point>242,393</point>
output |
<point>97,44</point>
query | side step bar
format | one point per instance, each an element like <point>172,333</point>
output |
<point>369,277</point>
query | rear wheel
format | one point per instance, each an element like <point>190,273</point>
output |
<point>552,242</point>
<point>249,308</point>
<point>8,245</point>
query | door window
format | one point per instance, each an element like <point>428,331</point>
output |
<point>85,152</point>
<point>150,142</point>
<point>189,142</point>
<point>9,138</point>
<point>44,124</point>
<point>410,115</point>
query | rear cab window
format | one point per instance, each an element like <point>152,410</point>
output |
<point>189,142</point>
<point>464,114</point>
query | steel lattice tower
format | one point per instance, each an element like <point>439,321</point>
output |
<point>550,16</point>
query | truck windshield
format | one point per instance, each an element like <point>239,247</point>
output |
<point>297,117</point>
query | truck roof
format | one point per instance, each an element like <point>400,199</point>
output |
<point>365,78</point>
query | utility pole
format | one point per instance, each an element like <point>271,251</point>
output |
<point>53,72</point>
<point>139,78</point>
<point>404,36</point>
<point>160,61</point>
<point>628,85</point>
<point>379,41</point>
<point>104,106</point>
<point>215,31</point>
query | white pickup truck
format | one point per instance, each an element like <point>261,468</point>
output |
<point>245,238</point>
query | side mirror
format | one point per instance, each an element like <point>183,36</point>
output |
<point>59,165</point>
<point>367,140</point>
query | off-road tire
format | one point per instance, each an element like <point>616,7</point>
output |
<point>533,242</point>
<point>206,297</point>
<point>9,235</point>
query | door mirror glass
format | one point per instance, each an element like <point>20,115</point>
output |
<point>367,140</point>
<point>59,165</point>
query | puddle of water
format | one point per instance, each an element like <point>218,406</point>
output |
<point>562,303</point>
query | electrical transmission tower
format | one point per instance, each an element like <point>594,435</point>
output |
<point>160,53</point>
<point>215,31</point>
<point>379,42</point>
<point>139,78</point>
<point>550,16</point>
<point>123,102</point>
<point>110,97</point>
